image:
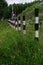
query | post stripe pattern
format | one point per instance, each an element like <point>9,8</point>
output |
<point>36,23</point>
<point>19,23</point>
<point>24,25</point>
<point>11,22</point>
<point>16,24</point>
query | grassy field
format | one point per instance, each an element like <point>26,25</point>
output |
<point>19,49</point>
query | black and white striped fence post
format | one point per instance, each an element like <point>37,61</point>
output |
<point>24,25</point>
<point>13,23</point>
<point>36,23</point>
<point>19,23</point>
<point>16,24</point>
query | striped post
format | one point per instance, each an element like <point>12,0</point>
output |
<point>24,25</point>
<point>36,23</point>
<point>19,24</point>
<point>16,24</point>
<point>13,23</point>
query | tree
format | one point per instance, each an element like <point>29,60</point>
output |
<point>3,6</point>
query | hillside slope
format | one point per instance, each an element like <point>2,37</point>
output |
<point>19,49</point>
<point>29,12</point>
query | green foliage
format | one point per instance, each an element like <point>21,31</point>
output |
<point>6,11</point>
<point>3,6</point>
<point>29,11</point>
<point>18,8</point>
<point>19,49</point>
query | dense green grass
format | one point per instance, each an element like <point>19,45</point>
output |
<point>19,49</point>
<point>6,35</point>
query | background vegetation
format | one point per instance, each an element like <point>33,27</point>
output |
<point>19,49</point>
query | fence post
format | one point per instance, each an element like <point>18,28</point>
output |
<point>24,25</point>
<point>16,24</point>
<point>36,23</point>
<point>19,24</point>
